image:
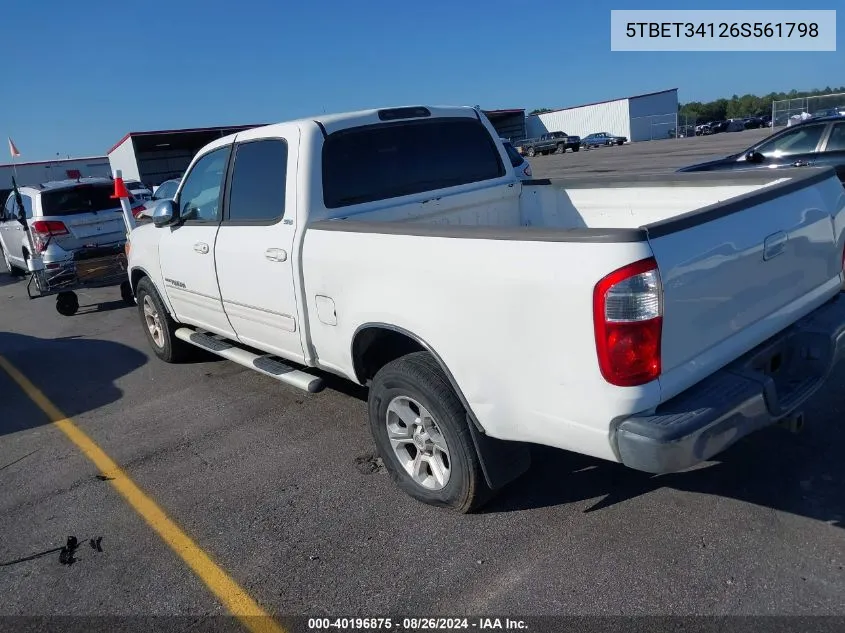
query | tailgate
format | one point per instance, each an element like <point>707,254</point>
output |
<point>96,225</point>
<point>730,271</point>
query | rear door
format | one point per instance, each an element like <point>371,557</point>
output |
<point>254,245</point>
<point>186,250</point>
<point>87,211</point>
<point>725,280</point>
<point>833,153</point>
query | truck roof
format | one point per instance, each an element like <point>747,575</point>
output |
<point>334,122</point>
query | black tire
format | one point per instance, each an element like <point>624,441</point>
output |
<point>172,349</point>
<point>560,149</point>
<point>67,303</point>
<point>530,151</point>
<point>576,148</point>
<point>418,376</point>
<point>126,293</point>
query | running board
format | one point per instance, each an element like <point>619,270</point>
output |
<point>269,365</point>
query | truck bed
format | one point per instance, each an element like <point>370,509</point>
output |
<point>585,208</point>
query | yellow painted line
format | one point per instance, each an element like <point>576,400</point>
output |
<point>233,597</point>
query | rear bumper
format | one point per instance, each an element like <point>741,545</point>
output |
<point>765,386</point>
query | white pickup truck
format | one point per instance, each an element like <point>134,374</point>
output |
<point>647,321</point>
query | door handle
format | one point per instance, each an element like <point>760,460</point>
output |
<point>801,163</point>
<point>201,247</point>
<point>275,255</point>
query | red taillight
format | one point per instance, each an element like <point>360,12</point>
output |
<point>628,323</point>
<point>137,210</point>
<point>49,227</point>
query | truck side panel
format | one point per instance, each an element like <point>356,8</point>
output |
<point>511,320</point>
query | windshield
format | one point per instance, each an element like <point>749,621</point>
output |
<point>80,199</point>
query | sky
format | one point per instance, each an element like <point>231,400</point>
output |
<point>86,73</point>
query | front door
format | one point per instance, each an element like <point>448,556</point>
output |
<point>255,259</point>
<point>792,148</point>
<point>187,249</point>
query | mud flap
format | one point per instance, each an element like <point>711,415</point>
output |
<point>501,461</point>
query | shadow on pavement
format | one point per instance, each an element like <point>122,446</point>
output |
<point>105,306</point>
<point>76,374</point>
<point>803,474</point>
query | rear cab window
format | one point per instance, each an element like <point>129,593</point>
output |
<point>389,160</point>
<point>79,199</point>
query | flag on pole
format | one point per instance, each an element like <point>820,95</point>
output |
<point>19,202</point>
<point>13,150</point>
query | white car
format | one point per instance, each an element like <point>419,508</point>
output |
<point>521,166</point>
<point>652,321</point>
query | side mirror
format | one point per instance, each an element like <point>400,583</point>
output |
<point>754,157</point>
<point>164,212</point>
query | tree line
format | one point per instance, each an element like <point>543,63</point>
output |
<point>737,107</point>
<point>747,105</point>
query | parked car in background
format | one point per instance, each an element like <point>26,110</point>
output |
<point>600,139</point>
<point>814,142</point>
<point>165,191</point>
<point>64,217</point>
<point>138,189</point>
<point>753,123</point>
<point>521,166</point>
<point>703,129</point>
<point>553,142</point>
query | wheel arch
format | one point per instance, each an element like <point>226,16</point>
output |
<point>501,461</point>
<point>375,344</point>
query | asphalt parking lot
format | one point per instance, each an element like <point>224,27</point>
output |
<point>645,158</point>
<point>282,490</point>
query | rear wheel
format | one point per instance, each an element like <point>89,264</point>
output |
<point>530,151</point>
<point>159,327</point>
<point>576,148</point>
<point>420,429</point>
<point>561,148</point>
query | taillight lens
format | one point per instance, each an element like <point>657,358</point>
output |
<point>44,228</point>
<point>49,227</point>
<point>138,210</point>
<point>628,322</point>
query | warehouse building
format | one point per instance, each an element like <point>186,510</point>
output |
<point>153,157</point>
<point>33,173</point>
<point>510,124</point>
<point>643,117</point>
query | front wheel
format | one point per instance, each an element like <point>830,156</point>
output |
<point>159,326</point>
<point>14,271</point>
<point>420,429</point>
<point>576,148</point>
<point>530,152</point>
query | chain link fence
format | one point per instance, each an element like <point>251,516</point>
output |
<point>662,126</point>
<point>815,106</point>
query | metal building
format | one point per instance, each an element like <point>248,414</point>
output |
<point>643,117</point>
<point>33,173</point>
<point>156,156</point>
<point>510,124</point>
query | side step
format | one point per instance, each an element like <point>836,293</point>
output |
<point>268,365</point>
